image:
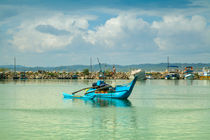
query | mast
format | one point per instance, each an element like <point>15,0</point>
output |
<point>99,65</point>
<point>14,67</point>
<point>91,67</point>
<point>168,62</point>
<point>100,69</point>
<point>15,73</point>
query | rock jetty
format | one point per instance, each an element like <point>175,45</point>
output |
<point>78,75</point>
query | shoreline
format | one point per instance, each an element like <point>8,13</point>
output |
<point>82,75</point>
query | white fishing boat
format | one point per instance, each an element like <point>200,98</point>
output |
<point>138,72</point>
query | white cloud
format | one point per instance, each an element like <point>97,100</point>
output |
<point>127,33</point>
<point>26,37</point>
<point>124,32</point>
<point>178,34</point>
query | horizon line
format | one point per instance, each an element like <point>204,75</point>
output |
<point>108,64</point>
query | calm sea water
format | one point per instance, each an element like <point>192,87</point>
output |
<point>156,109</point>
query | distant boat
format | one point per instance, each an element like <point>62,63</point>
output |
<point>205,73</point>
<point>2,75</point>
<point>149,76</point>
<point>140,73</point>
<point>173,73</point>
<point>102,90</point>
<point>23,76</point>
<point>75,76</point>
<point>188,73</point>
<point>101,76</point>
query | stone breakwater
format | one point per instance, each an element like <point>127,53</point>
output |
<point>79,75</point>
<point>60,75</point>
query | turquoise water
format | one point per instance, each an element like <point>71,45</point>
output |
<point>156,109</point>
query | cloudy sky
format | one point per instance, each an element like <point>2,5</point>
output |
<point>68,32</point>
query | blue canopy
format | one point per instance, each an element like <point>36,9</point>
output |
<point>99,82</point>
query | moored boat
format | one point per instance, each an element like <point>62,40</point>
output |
<point>189,76</point>
<point>149,76</point>
<point>205,75</point>
<point>188,73</point>
<point>173,73</point>
<point>103,90</point>
<point>118,92</point>
<point>75,76</point>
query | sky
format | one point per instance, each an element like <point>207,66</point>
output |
<point>69,32</point>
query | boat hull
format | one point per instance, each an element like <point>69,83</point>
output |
<point>66,95</point>
<point>189,76</point>
<point>172,76</point>
<point>115,95</point>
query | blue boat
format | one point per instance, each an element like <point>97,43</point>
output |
<point>66,95</point>
<point>102,90</point>
<point>118,92</point>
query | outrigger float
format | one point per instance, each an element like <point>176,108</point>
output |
<point>103,90</point>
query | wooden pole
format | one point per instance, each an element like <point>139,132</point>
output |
<point>81,90</point>
<point>99,89</point>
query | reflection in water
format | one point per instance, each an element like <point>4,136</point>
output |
<point>106,102</point>
<point>160,110</point>
<point>103,102</point>
<point>142,82</point>
<point>189,82</point>
<point>176,82</point>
